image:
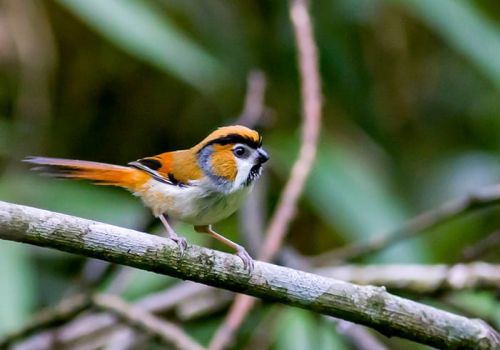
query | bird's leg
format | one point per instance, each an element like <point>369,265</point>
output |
<point>181,241</point>
<point>240,251</point>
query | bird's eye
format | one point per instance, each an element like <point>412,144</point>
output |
<point>240,151</point>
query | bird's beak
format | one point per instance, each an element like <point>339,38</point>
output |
<point>263,156</point>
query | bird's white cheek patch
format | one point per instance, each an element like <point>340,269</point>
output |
<point>244,167</point>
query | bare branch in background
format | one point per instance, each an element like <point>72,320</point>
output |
<point>312,101</point>
<point>168,333</point>
<point>262,334</point>
<point>69,308</point>
<point>286,208</point>
<point>192,300</point>
<point>371,306</point>
<point>251,216</point>
<point>165,300</point>
<point>189,301</point>
<point>104,325</point>
<point>415,279</point>
<point>254,107</point>
<point>252,213</point>
<point>482,247</point>
<point>358,336</point>
<point>419,279</point>
<point>482,198</point>
<point>52,317</point>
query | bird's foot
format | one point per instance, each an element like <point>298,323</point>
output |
<point>248,263</point>
<point>181,243</point>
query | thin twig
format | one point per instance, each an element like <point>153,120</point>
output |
<point>170,298</point>
<point>419,279</point>
<point>254,108</point>
<point>360,337</point>
<point>312,101</point>
<point>286,208</point>
<point>135,315</point>
<point>127,339</point>
<point>169,333</point>
<point>482,247</point>
<point>49,318</point>
<point>263,333</point>
<point>251,215</point>
<point>482,198</point>
<point>90,326</point>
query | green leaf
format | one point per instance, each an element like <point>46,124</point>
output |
<point>465,28</point>
<point>139,28</point>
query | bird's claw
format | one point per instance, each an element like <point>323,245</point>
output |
<point>181,243</point>
<point>248,263</point>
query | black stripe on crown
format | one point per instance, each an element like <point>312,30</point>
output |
<point>236,138</point>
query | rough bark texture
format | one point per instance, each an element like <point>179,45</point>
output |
<point>371,306</point>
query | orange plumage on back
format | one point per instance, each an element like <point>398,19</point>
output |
<point>181,166</point>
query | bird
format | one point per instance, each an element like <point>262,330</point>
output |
<point>200,186</point>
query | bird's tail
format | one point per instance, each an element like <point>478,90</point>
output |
<point>100,173</point>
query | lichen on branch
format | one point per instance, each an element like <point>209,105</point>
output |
<point>371,306</point>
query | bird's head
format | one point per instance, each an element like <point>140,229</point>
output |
<point>232,157</point>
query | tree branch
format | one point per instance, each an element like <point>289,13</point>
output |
<point>407,278</point>
<point>169,333</point>
<point>134,315</point>
<point>96,325</point>
<point>482,247</point>
<point>482,198</point>
<point>360,337</point>
<point>420,279</point>
<point>53,317</point>
<point>254,108</point>
<point>371,306</point>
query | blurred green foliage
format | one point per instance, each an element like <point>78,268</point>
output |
<point>298,329</point>
<point>411,119</point>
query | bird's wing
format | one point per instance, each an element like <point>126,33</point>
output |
<point>179,168</point>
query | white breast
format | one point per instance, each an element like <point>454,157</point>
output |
<point>197,204</point>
